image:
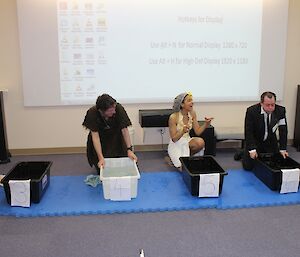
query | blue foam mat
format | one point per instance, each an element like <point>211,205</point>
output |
<point>241,189</point>
<point>159,191</point>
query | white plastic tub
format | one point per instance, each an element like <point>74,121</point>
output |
<point>119,179</point>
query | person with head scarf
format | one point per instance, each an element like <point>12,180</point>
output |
<point>181,121</point>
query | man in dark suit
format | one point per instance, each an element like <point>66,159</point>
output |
<point>261,123</point>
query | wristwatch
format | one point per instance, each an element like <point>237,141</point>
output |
<point>129,148</point>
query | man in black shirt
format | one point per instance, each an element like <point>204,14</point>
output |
<point>109,136</point>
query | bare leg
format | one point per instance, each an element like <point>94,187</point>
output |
<point>196,144</point>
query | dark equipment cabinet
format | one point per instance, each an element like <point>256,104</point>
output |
<point>154,118</point>
<point>209,138</point>
<point>297,122</point>
<point>4,154</point>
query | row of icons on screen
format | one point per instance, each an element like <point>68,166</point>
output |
<point>78,40</point>
<point>80,5</point>
<point>77,24</point>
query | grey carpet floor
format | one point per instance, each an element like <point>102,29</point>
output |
<point>267,232</point>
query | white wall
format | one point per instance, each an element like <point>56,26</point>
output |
<point>51,127</point>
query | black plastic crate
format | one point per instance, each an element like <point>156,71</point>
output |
<point>192,167</point>
<point>267,168</point>
<point>37,172</point>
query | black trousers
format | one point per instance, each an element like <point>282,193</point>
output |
<point>268,146</point>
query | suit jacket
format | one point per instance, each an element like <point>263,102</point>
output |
<point>255,128</point>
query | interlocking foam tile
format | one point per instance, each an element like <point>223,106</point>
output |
<point>69,195</point>
<point>157,192</point>
<point>242,189</point>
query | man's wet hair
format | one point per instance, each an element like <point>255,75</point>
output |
<point>105,102</point>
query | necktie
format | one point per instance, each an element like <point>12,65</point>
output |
<point>268,124</point>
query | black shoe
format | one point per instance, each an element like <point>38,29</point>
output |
<point>238,155</point>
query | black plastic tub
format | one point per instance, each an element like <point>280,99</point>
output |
<point>268,166</point>
<point>37,172</point>
<point>192,167</point>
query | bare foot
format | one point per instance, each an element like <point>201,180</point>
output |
<point>179,168</point>
<point>168,161</point>
<point>1,177</point>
